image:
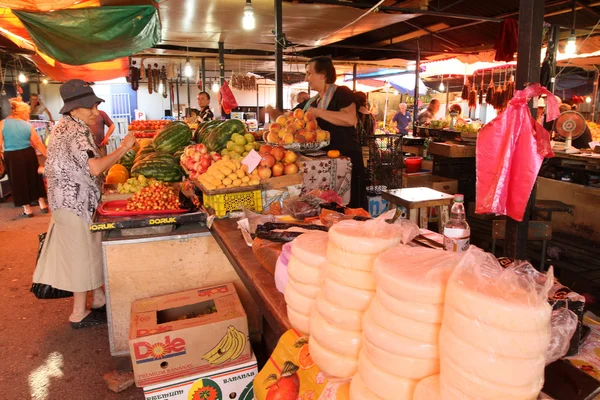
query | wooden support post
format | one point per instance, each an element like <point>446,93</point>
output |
<point>417,78</point>
<point>279,54</point>
<point>354,77</point>
<point>203,72</point>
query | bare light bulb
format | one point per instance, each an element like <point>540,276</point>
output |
<point>215,87</point>
<point>588,99</point>
<point>248,22</point>
<point>395,93</point>
<point>188,71</point>
<point>571,46</point>
<point>22,78</point>
<point>442,87</point>
<point>45,81</point>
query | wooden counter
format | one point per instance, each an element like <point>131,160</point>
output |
<point>259,282</point>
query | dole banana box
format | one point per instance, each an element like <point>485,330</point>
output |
<point>234,382</point>
<point>187,333</point>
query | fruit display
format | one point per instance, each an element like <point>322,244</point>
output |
<point>134,185</point>
<point>146,125</point>
<point>117,174</point>
<point>128,159</point>
<point>161,166</point>
<point>594,130</point>
<point>203,129</point>
<point>228,173</point>
<point>217,136</point>
<point>196,159</point>
<point>276,161</point>
<point>172,137</point>
<point>157,196</point>
<point>296,127</point>
<point>239,146</point>
<point>229,348</point>
<point>143,134</point>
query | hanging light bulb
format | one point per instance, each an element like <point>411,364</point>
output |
<point>571,46</point>
<point>22,77</point>
<point>248,22</point>
<point>188,71</point>
<point>45,81</point>
<point>588,99</point>
<point>442,87</point>
<point>215,87</point>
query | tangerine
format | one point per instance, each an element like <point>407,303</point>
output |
<point>333,153</point>
<point>305,361</point>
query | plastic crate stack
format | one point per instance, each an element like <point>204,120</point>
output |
<point>384,166</point>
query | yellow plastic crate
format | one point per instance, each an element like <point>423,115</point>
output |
<point>226,202</point>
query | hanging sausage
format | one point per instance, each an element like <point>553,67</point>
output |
<point>489,97</point>
<point>481,88</point>
<point>149,75</point>
<point>134,76</point>
<point>163,79</point>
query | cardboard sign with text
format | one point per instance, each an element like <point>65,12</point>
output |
<point>185,333</point>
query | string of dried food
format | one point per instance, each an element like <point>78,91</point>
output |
<point>489,97</point>
<point>134,76</point>
<point>473,97</point>
<point>481,88</point>
<point>155,77</point>
<point>149,75</point>
<point>142,70</point>
<point>163,78</point>
<point>510,87</point>
<point>465,90</point>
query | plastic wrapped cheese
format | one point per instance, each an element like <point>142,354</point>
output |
<point>296,301</point>
<point>384,384</point>
<point>299,321</point>
<point>339,316</point>
<point>304,273</point>
<point>361,262</point>
<point>342,341</point>
<point>345,296</point>
<point>431,313</point>
<point>394,343</point>
<point>428,389</point>
<point>364,237</point>
<point>525,344</point>
<point>423,331</point>
<point>408,367</point>
<point>415,274</point>
<point>310,291</point>
<point>311,248</point>
<point>348,277</point>
<point>332,363</point>
<point>489,365</point>
<point>360,391</point>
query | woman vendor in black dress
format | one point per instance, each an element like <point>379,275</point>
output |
<point>335,111</point>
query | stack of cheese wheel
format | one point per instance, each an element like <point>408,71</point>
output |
<point>347,290</point>
<point>495,333</point>
<point>304,277</point>
<point>402,325</point>
<point>428,389</point>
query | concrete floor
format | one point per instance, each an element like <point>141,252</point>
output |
<point>42,357</point>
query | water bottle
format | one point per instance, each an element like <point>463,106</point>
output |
<point>457,232</point>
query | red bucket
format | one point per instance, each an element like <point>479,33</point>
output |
<point>413,164</point>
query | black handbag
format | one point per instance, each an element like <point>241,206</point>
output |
<point>41,290</point>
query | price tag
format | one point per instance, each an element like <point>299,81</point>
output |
<point>252,160</point>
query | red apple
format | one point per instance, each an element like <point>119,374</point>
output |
<point>265,148</point>
<point>289,157</point>
<point>278,169</point>
<point>264,173</point>
<point>201,148</point>
<point>267,161</point>
<point>278,152</point>
<point>291,169</point>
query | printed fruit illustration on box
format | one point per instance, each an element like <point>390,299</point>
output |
<point>296,127</point>
<point>205,389</point>
<point>286,386</point>
<point>229,348</point>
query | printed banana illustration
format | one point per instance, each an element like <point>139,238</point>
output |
<point>229,347</point>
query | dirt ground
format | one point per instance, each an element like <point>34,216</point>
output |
<point>42,357</point>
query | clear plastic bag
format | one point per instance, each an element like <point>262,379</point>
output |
<point>510,152</point>
<point>281,274</point>
<point>564,323</point>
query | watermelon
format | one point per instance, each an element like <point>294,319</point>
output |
<point>206,129</point>
<point>160,166</point>
<point>173,136</point>
<point>144,151</point>
<point>128,159</point>
<point>218,138</point>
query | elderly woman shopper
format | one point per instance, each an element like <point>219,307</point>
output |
<point>18,139</point>
<point>71,258</point>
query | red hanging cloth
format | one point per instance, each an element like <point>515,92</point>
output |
<point>507,41</point>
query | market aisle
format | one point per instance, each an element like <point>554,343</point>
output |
<point>35,334</point>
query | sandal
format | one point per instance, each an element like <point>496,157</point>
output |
<point>92,319</point>
<point>101,309</point>
<point>24,215</point>
<point>44,210</point>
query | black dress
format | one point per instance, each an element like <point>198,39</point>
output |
<point>345,139</point>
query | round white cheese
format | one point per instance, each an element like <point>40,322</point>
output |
<point>303,273</point>
<point>296,301</point>
<point>361,262</point>
<point>311,247</point>
<point>368,237</point>
<point>339,316</point>
<point>300,322</point>
<point>422,331</point>
<point>408,367</point>
<point>341,341</point>
<point>428,388</point>
<point>304,289</point>
<point>360,391</point>
<point>383,384</point>
<point>346,296</point>
<point>349,277</point>
<point>331,363</point>
<point>431,313</point>
<point>394,343</point>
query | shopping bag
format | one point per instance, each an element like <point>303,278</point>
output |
<point>228,100</point>
<point>41,290</point>
<point>510,151</point>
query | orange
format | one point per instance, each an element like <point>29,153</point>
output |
<point>333,153</point>
<point>117,177</point>
<point>305,361</point>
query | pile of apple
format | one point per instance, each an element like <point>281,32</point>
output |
<point>276,161</point>
<point>296,127</point>
<point>196,160</point>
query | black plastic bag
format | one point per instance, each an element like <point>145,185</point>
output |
<point>41,290</point>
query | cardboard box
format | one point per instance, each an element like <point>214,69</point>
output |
<point>233,382</point>
<point>186,333</point>
<point>452,150</point>
<point>425,179</point>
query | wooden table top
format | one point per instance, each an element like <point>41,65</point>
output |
<point>259,282</point>
<point>417,197</point>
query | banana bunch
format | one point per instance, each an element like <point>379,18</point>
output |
<point>229,347</point>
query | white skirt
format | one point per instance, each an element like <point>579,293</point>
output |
<point>71,257</point>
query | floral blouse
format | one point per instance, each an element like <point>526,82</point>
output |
<point>71,186</point>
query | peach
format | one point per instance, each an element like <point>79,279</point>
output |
<point>291,169</point>
<point>278,169</point>
<point>290,129</point>
<point>298,113</point>
<point>264,173</point>
<point>290,157</point>
<point>281,120</point>
<point>288,138</point>
<point>308,116</point>
<point>265,148</point>
<point>299,138</point>
<point>311,136</point>
<point>311,125</point>
<point>321,135</point>
<point>272,137</point>
<point>299,123</point>
<point>281,133</point>
<point>275,127</point>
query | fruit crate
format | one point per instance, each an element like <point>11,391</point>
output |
<point>224,201</point>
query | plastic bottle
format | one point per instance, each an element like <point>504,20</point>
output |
<point>457,233</point>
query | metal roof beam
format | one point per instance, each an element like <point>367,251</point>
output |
<point>588,9</point>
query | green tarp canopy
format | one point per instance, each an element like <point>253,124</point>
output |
<point>89,35</point>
